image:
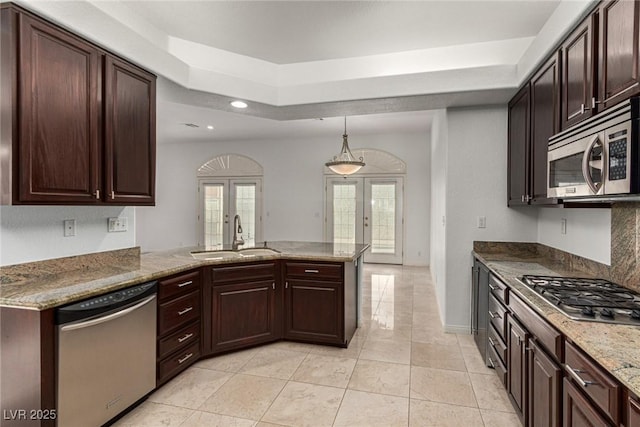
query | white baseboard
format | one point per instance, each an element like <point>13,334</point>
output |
<point>457,329</point>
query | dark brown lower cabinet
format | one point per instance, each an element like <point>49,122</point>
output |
<point>632,412</point>
<point>578,411</point>
<point>544,388</point>
<point>314,311</point>
<point>517,338</point>
<point>243,314</point>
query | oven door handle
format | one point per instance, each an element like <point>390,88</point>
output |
<point>107,318</point>
<point>585,165</point>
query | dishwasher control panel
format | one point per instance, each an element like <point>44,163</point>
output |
<point>104,303</point>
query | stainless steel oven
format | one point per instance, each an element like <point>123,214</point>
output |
<point>598,157</point>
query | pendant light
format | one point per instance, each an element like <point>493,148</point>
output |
<point>345,163</point>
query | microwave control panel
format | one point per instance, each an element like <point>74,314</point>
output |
<point>618,159</point>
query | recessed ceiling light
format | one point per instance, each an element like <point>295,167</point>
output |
<point>238,104</point>
<point>210,127</point>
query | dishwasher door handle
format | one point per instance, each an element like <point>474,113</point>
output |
<point>109,317</point>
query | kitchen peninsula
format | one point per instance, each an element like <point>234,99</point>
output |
<point>301,291</point>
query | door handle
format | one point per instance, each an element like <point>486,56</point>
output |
<point>595,187</point>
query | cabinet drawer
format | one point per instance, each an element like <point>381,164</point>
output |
<point>497,343</point>
<point>308,270</point>
<point>496,363</point>
<point>545,334</point>
<point>181,338</point>
<point>178,362</point>
<point>178,285</point>
<point>244,272</point>
<point>593,380</point>
<point>178,312</point>
<point>498,289</point>
<point>497,316</point>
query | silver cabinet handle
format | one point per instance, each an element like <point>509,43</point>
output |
<point>273,285</point>
<point>286,285</point>
<point>186,310</point>
<point>184,359</point>
<point>493,288</point>
<point>184,338</point>
<point>97,194</point>
<point>575,375</point>
<point>312,271</point>
<point>185,284</point>
<point>493,365</point>
<point>493,344</point>
<point>113,195</point>
<point>495,315</point>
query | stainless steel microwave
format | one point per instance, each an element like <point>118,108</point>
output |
<point>598,157</point>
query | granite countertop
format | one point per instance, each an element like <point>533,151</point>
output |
<point>615,347</point>
<point>46,284</point>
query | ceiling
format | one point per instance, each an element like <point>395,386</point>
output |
<point>383,63</point>
<point>285,32</point>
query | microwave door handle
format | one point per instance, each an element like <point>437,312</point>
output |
<point>585,166</point>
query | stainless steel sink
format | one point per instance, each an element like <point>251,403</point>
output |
<point>213,255</point>
<point>257,252</point>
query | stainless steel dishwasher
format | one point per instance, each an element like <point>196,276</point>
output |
<point>106,355</point>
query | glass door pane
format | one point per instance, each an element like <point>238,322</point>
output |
<point>245,206</point>
<point>344,212</point>
<point>214,215</point>
<point>383,220</point>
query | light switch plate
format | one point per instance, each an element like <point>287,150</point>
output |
<point>482,222</point>
<point>69,227</point>
<point>563,226</point>
<point>118,224</point>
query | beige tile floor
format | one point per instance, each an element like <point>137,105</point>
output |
<point>401,369</point>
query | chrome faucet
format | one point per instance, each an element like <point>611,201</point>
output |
<point>237,233</point>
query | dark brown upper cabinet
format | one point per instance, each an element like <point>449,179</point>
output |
<point>59,150</point>
<point>577,74</point>
<point>545,122</point>
<point>518,149</point>
<point>80,123</point>
<point>618,52</point>
<point>130,133</point>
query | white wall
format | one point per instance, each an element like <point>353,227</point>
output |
<point>476,186</point>
<point>588,232</point>
<point>34,233</point>
<point>293,188</point>
<point>438,243</point>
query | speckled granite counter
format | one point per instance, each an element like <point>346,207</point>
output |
<point>615,347</point>
<point>47,284</point>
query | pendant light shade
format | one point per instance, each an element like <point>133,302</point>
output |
<point>345,163</point>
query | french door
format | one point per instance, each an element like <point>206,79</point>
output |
<point>366,210</point>
<point>220,201</point>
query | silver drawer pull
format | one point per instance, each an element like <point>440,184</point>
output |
<point>186,310</point>
<point>184,359</point>
<point>493,344</point>
<point>492,364</point>
<point>493,288</point>
<point>181,285</point>
<point>312,271</point>
<point>575,374</point>
<point>495,315</point>
<point>184,338</point>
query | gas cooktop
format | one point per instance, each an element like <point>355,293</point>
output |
<point>595,300</point>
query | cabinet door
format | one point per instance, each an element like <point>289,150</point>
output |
<point>618,51</point>
<point>517,363</point>
<point>545,122</point>
<point>59,146</point>
<point>130,138</point>
<point>633,412</point>
<point>577,75</point>
<point>519,132</point>
<point>314,311</point>
<point>544,388</point>
<point>578,411</point>
<point>242,315</point>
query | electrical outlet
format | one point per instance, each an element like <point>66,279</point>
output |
<point>482,222</point>
<point>69,227</point>
<point>563,226</point>
<point>118,224</point>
